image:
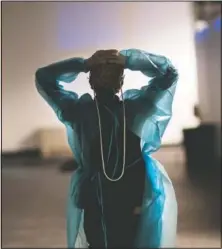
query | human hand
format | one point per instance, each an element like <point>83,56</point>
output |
<point>105,56</point>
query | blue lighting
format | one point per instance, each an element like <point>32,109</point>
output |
<point>83,26</point>
<point>217,24</point>
<point>202,35</point>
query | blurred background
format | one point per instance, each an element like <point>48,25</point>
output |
<point>36,160</point>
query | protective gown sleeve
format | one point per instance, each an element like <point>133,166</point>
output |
<point>150,108</point>
<point>47,83</point>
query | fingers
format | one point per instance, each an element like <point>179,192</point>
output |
<point>111,52</point>
<point>107,56</point>
<point>111,59</point>
<point>108,52</point>
<point>115,61</point>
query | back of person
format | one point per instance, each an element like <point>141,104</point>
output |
<point>110,207</point>
<point>111,178</point>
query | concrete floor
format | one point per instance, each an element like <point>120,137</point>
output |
<point>34,205</point>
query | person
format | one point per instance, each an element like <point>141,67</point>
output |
<point>119,196</point>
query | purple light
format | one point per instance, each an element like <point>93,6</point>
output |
<point>88,25</point>
<point>217,24</point>
<point>202,35</point>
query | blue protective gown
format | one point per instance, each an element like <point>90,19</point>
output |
<point>148,112</point>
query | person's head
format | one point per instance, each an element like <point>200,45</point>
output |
<point>108,77</point>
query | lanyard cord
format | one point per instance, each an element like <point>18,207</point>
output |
<point>101,141</point>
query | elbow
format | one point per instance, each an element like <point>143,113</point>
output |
<point>40,76</point>
<point>172,73</point>
<point>170,77</point>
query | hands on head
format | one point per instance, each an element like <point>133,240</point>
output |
<point>111,56</point>
<point>106,70</point>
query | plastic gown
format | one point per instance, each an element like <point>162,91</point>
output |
<point>148,112</point>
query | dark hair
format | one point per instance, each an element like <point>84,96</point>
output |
<point>106,76</point>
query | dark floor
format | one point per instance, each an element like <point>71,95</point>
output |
<point>34,205</point>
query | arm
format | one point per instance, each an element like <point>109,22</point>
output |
<point>47,83</point>
<point>153,103</point>
<point>157,67</point>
